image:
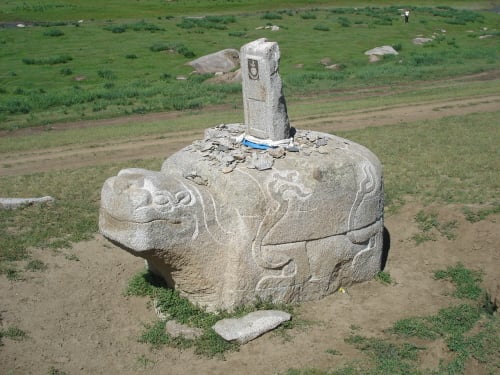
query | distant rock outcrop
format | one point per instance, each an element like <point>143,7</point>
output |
<point>419,41</point>
<point>222,61</point>
<point>381,51</point>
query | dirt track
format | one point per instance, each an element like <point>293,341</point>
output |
<point>161,147</point>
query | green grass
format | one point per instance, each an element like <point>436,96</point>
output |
<point>388,357</point>
<point>169,302</point>
<point>35,265</point>
<point>448,322</point>
<point>333,352</point>
<point>144,363</point>
<point>469,330</point>
<point>466,281</point>
<point>475,215</point>
<point>13,333</point>
<point>55,371</point>
<point>384,277</point>
<point>36,93</point>
<point>455,324</point>
<point>429,227</point>
<point>420,159</point>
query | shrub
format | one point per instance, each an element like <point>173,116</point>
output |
<point>271,16</point>
<point>208,22</point>
<point>221,19</point>
<point>344,22</point>
<point>238,34</point>
<point>53,32</point>
<point>159,46</point>
<point>106,74</point>
<point>184,51</point>
<point>66,71</point>
<point>63,59</point>
<point>176,47</point>
<point>116,29</point>
<point>341,10</point>
<point>16,106</point>
<point>321,28</point>
<point>308,16</point>
<point>144,26</point>
<point>383,21</point>
<point>138,26</point>
<point>423,59</point>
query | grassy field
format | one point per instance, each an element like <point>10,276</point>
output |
<point>128,63</point>
<point>47,10</point>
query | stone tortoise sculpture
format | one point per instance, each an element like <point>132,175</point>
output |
<point>225,224</point>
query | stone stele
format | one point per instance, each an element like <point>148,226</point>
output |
<point>263,100</point>
<point>226,224</point>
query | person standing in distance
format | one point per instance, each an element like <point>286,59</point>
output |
<point>407,15</point>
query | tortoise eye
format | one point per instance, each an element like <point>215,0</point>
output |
<point>183,198</point>
<point>161,199</point>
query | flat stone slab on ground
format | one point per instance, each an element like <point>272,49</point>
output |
<point>419,41</point>
<point>222,61</point>
<point>247,328</point>
<point>14,203</point>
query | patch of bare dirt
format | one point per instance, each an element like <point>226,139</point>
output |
<point>163,146</point>
<point>79,321</point>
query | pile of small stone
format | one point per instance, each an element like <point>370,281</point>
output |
<point>222,146</point>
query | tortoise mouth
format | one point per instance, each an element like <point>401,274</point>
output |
<point>141,236</point>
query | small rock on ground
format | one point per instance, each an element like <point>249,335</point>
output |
<point>15,203</point>
<point>247,328</point>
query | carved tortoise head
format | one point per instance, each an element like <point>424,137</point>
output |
<point>137,205</point>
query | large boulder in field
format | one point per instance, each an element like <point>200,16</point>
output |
<point>222,61</point>
<point>226,224</point>
<point>382,51</point>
